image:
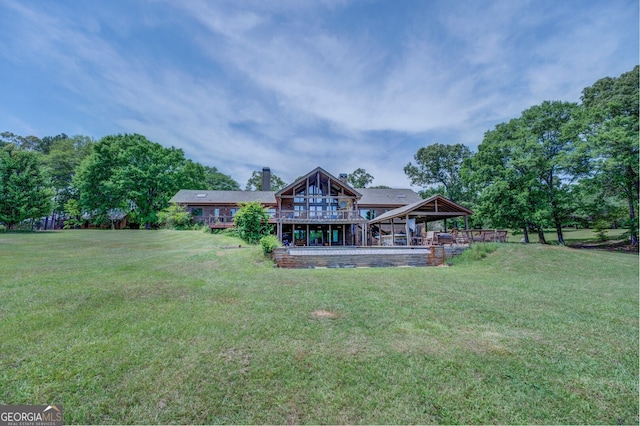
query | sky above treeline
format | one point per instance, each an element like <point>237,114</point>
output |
<point>296,84</point>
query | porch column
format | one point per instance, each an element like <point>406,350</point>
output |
<point>407,230</point>
<point>393,232</point>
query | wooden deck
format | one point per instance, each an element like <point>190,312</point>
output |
<point>354,257</point>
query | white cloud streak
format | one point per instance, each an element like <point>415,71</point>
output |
<point>281,85</point>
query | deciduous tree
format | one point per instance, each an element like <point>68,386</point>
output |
<point>613,114</point>
<point>359,178</point>
<point>255,182</point>
<point>131,174</point>
<point>439,164</point>
<point>216,180</point>
<point>24,191</point>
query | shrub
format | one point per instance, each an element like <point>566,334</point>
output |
<point>600,228</point>
<point>251,221</point>
<point>2,228</point>
<point>175,217</point>
<point>268,243</point>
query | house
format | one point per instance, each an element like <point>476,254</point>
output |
<point>318,209</point>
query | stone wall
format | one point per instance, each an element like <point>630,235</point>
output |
<point>353,257</point>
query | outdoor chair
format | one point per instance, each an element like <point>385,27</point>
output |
<point>428,238</point>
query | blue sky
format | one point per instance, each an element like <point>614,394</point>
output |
<point>295,84</point>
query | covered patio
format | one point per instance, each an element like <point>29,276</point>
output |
<point>407,225</point>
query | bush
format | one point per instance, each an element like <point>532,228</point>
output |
<point>175,217</point>
<point>2,228</point>
<point>600,228</point>
<point>251,221</point>
<point>268,243</point>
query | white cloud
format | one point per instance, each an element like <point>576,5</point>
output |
<point>274,84</point>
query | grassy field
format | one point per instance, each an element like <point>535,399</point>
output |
<point>185,327</point>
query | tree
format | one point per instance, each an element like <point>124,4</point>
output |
<point>26,143</point>
<point>524,169</point>
<point>24,191</point>
<point>613,111</point>
<point>216,180</point>
<point>506,188</point>
<point>359,178</point>
<point>64,155</point>
<point>127,173</point>
<point>255,182</point>
<point>252,221</point>
<point>439,164</point>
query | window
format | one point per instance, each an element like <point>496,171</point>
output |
<point>196,211</point>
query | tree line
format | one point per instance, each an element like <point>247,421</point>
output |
<point>557,164</point>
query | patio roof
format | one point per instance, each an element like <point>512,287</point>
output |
<point>431,209</point>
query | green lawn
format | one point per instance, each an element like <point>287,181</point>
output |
<point>184,327</point>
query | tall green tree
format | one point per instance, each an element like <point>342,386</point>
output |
<point>128,173</point>
<point>63,156</point>
<point>217,180</point>
<point>255,182</point>
<point>24,191</point>
<point>551,148</point>
<point>524,168</point>
<point>359,178</point>
<point>613,114</point>
<point>439,164</point>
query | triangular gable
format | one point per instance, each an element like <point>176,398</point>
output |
<point>439,206</point>
<point>334,181</point>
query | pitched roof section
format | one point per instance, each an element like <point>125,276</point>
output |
<point>436,206</point>
<point>191,196</point>
<point>387,197</point>
<point>334,180</point>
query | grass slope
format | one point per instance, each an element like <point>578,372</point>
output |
<point>177,327</point>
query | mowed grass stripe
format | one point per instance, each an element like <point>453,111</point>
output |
<point>185,327</point>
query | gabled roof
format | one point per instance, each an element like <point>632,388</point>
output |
<point>433,208</point>
<point>387,197</point>
<point>204,196</point>
<point>334,180</point>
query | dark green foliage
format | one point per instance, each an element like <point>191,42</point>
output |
<point>439,164</point>
<point>611,124</point>
<point>251,221</point>
<point>130,174</point>
<point>255,182</point>
<point>218,181</point>
<point>359,178</point>
<point>24,191</point>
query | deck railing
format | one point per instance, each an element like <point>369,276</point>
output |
<point>320,215</point>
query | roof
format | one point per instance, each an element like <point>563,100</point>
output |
<point>335,181</point>
<point>387,197</point>
<point>437,206</point>
<point>203,196</point>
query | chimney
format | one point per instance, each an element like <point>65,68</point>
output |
<point>343,177</point>
<point>266,179</point>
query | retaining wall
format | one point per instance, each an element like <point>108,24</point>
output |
<point>354,257</point>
